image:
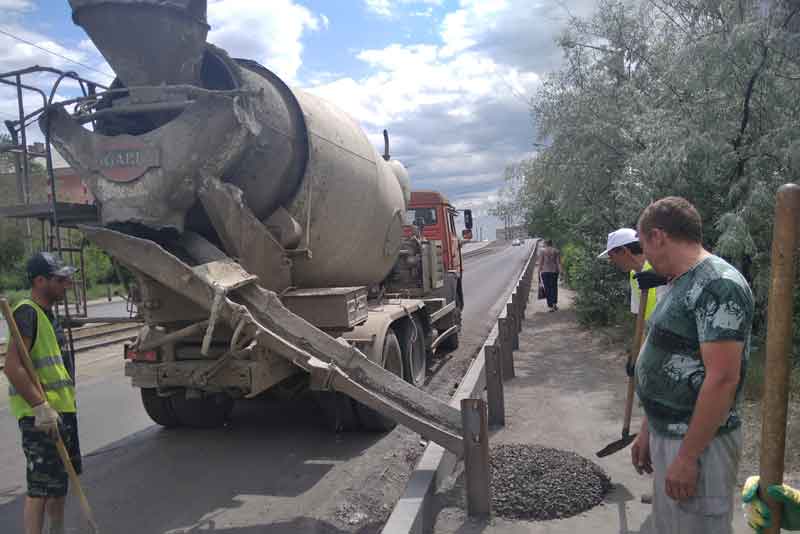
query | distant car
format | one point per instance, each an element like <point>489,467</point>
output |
<point>516,243</point>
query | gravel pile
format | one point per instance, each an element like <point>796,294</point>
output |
<point>532,482</point>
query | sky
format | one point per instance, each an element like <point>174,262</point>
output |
<point>451,80</point>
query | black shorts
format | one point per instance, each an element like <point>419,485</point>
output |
<point>45,472</point>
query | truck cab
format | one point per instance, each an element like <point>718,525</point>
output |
<point>433,212</point>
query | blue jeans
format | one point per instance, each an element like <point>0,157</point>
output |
<point>550,282</point>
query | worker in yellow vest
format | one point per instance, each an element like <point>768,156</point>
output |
<point>624,251</point>
<point>41,419</point>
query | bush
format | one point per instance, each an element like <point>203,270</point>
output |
<point>98,266</point>
<point>569,257</point>
<point>601,290</point>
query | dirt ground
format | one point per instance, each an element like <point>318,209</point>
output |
<point>569,394</point>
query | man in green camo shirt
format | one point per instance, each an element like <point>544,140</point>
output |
<point>689,375</point>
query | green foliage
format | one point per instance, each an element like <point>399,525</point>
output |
<point>601,294</point>
<point>696,99</point>
<point>98,266</point>
<point>570,254</point>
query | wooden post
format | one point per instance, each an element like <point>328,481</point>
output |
<point>779,345</point>
<point>507,346</point>
<point>476,457</point>
<point>494,385</point>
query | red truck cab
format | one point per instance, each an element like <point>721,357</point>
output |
<point>432,211</point>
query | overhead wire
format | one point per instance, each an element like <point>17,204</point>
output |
<point>27,42</point>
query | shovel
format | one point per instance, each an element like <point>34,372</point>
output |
<point>62,450</point>
<point>627,438</point>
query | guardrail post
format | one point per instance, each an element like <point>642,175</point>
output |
<point>494,385</point>
<point>519,311</point>
<point>476,457</point>
<point>513,331</point>
<point>507,345</point>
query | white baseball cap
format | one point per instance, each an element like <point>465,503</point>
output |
<point>618,238</point>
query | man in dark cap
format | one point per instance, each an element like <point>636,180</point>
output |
<point>41,419</point>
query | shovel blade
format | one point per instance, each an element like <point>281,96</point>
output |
<point>616,446</point>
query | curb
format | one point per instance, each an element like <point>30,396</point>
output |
<point>413,514</point>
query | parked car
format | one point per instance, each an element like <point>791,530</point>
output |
<point>516,243</point>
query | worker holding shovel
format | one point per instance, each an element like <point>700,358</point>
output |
<point>42,416</point>
<point>625,252</point>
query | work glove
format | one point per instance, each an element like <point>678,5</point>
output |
<point>630,367</point>
<point>757,512</point>
<point>46,419</point>
<point>649,280</point>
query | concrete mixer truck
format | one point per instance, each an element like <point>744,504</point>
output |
<point>272,245</point>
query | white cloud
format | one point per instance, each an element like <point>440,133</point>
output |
<point>458,111</point>
<point>268,32</point>
<point>16,54</point>
<point>16,5</point>
<point>389,8</point>
<point>326,22</point>
<point>457,121</point>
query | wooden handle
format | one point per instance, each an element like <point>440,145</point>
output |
<point>637,346</point>
<point>777,368</point>
<point>22,350</point>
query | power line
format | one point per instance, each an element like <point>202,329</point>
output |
<point>20,39</point>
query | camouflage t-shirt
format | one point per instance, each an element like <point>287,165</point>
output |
<point>710,302</point>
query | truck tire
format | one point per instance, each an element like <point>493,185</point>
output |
<point>452,342</point>
<point>338,411</point>
<point>416,356</point>
<point>208,412</point>
<point>159,408</point>
<point>371,420</point>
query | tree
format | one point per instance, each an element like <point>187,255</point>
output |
<point>669,97</point>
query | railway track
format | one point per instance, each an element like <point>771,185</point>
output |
<point>93,337</point>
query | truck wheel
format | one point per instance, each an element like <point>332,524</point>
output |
<point>416,356</point>
<point>393,362</point>
<point>451,342</point>
<point>207,412</point>
<point>159,408</point>
<point>338,411</point>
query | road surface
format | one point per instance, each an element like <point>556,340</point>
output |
<point>275,466</point>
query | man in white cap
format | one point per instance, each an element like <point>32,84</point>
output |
<point>624,251</point>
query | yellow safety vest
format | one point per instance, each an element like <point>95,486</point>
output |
<point>651,295</point>
<point>49,365</point>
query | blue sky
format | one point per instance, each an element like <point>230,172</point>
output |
<point>450,79</point>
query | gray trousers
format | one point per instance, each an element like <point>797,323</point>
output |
<point>710,511</point>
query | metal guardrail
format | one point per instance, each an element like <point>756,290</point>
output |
<point>493,365</point>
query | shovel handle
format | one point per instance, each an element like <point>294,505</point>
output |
<point>25,357</point>
<point>637,345</point>
<point>777,367</point>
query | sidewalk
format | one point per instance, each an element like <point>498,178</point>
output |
<point>569,394</point>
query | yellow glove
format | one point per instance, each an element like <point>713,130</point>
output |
<point>757,513</point>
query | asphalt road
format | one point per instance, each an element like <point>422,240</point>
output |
<point>275,466</point>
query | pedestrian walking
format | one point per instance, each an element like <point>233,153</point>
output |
<point>41,419</point>
<point>549,269</point>
<point>689,375</point>
<point>625,252</point>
